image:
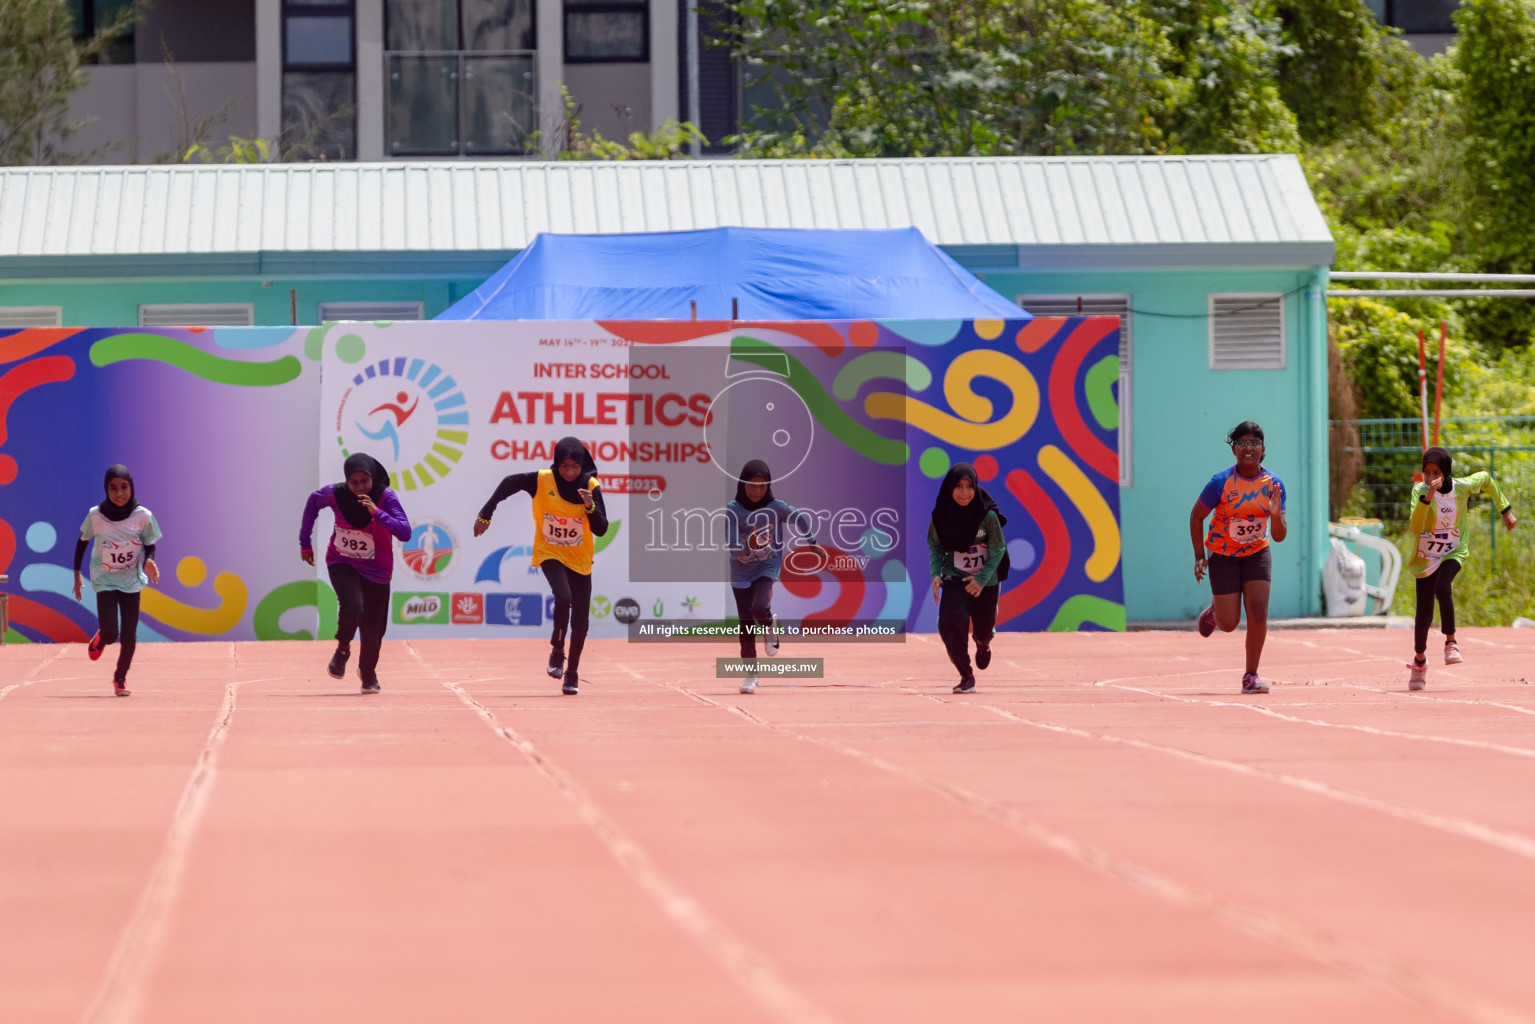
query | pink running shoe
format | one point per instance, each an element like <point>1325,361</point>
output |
<point>1207,621</point>
<point>95,646</point>
<point>1452,653</point>
<point>1419,678</point>
<point>1252,684</point>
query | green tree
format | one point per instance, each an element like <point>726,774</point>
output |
<point>1331,72</point>
<point>41,66</point>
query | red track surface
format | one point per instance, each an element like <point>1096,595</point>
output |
<point>1105,831</point>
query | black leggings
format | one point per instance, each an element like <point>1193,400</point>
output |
<point>754,605</point>
<point>572,607</point>
<point>1436,584</point>
<point>363,607</point>
<point>110,604</point>
<point>960,614</point>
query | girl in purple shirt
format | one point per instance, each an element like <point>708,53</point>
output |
<point>359,558</point>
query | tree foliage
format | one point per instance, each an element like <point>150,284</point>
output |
<point>41,66</point>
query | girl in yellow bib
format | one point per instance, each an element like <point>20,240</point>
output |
<point>568,517</point>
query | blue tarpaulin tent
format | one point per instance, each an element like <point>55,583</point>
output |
<point>772,274</point>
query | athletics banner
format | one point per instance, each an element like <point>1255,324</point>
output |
<point>227,430</point>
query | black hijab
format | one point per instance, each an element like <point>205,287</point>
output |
<point>346,502</point>
<point>1441,458</point>
<point>957,525</point>
<point>117,513</point>
<point>572,448</point>
<point>756,467</point>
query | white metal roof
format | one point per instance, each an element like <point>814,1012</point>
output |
<point>1042,205</point>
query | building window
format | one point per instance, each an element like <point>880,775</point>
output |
<point>91,16</point>
<point>1432,17</point>
<point>319,80</point>
<point>370,311</point>
<point>31,316</point>
<point>1101,305</point>
<point>198,314</point>
<point>607,31</point>
<point>1247,332</point>
<point>461,77</point>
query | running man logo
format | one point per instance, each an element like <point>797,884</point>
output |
<point>429,553</point>
<point>421,609</point>
<point>410,412</point>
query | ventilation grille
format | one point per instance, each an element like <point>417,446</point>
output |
<point>375,311</point>
<point>208,314</point>
<point>31,316</point>
<point>1247,332</point>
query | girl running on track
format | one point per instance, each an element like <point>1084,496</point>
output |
<point>568,517</point>
<point>967,558</point>
<point>1438,516</point>
<point>122,565</point>
<point>359,558</point>
<point>1249,503</point>
<point>758,523</point>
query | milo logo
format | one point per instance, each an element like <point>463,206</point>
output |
<point>421,609</point>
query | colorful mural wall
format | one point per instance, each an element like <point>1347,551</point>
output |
<point>227,431</point>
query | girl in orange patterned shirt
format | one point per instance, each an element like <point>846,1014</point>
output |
<point>1248,502</point>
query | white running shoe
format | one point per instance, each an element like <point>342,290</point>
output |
<point>771,642</point>
<point>1419,678</point>
<point>1452,653</point>
<point>749,684</point>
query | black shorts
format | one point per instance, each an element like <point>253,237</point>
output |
<point>1229,572</point>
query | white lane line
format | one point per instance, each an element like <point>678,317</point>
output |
<point>1396,976</point>
<point>30,676</point>
<point>750,968</point>
<point>1370,730</point>
<point>1433,698</point>
<point>120,999</point>
<point>1509,842</point>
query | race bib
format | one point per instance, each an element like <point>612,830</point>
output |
<point>1436,545</point>
<point>119,557</point>
<point>562,532</point>
<point>971,562</point>
<point>1245,531</point>
<point>353,543</point>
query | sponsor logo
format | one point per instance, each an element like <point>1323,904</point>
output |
<point>468,609</point>
<point>626,610</point>
<point>514,609</point>
<point>690,606</point>
<point>411,413</point>
<point>601,607</point>
<point>429,554</point>
<point>658,609</point>
<point>421,609</point>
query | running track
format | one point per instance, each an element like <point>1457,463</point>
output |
<point>1105,831</point>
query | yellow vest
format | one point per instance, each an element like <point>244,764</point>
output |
<point>560,529</point>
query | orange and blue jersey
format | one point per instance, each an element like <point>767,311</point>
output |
<point>1240,524</point>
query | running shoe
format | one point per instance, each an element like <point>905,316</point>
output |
<point>749,684</point>
<point>368,685</point>
<point>1252,684</point>
<point>121,688</point>
<point>771,642</point>
<point>94,648</point>
<point>337,666</point>
<point>1452,653</point>
<point>556,662</point>
<point>1207,621</point>
<point>982,655</point>
<point>966,685</point>
<point>571,682</point>
<point>1419,678</point>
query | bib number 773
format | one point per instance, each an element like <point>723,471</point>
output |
<point>1437,545</point>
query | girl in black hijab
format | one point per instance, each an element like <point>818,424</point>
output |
<point>122,565</point>
<point>758,536</point>
<point>967,558</point>
<point>359,558</point>
<point>568,516</point>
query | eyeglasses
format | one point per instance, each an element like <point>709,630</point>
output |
<point>1249,444</point>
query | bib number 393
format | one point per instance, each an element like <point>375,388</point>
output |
<point>1244,531</point>
<point>119,557</point>
<point>353,543</point>
<point>971,561</point>
<point>1437,545</point>
<point>561,531</point>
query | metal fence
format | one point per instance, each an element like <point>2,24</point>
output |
<point>1392,450</point>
